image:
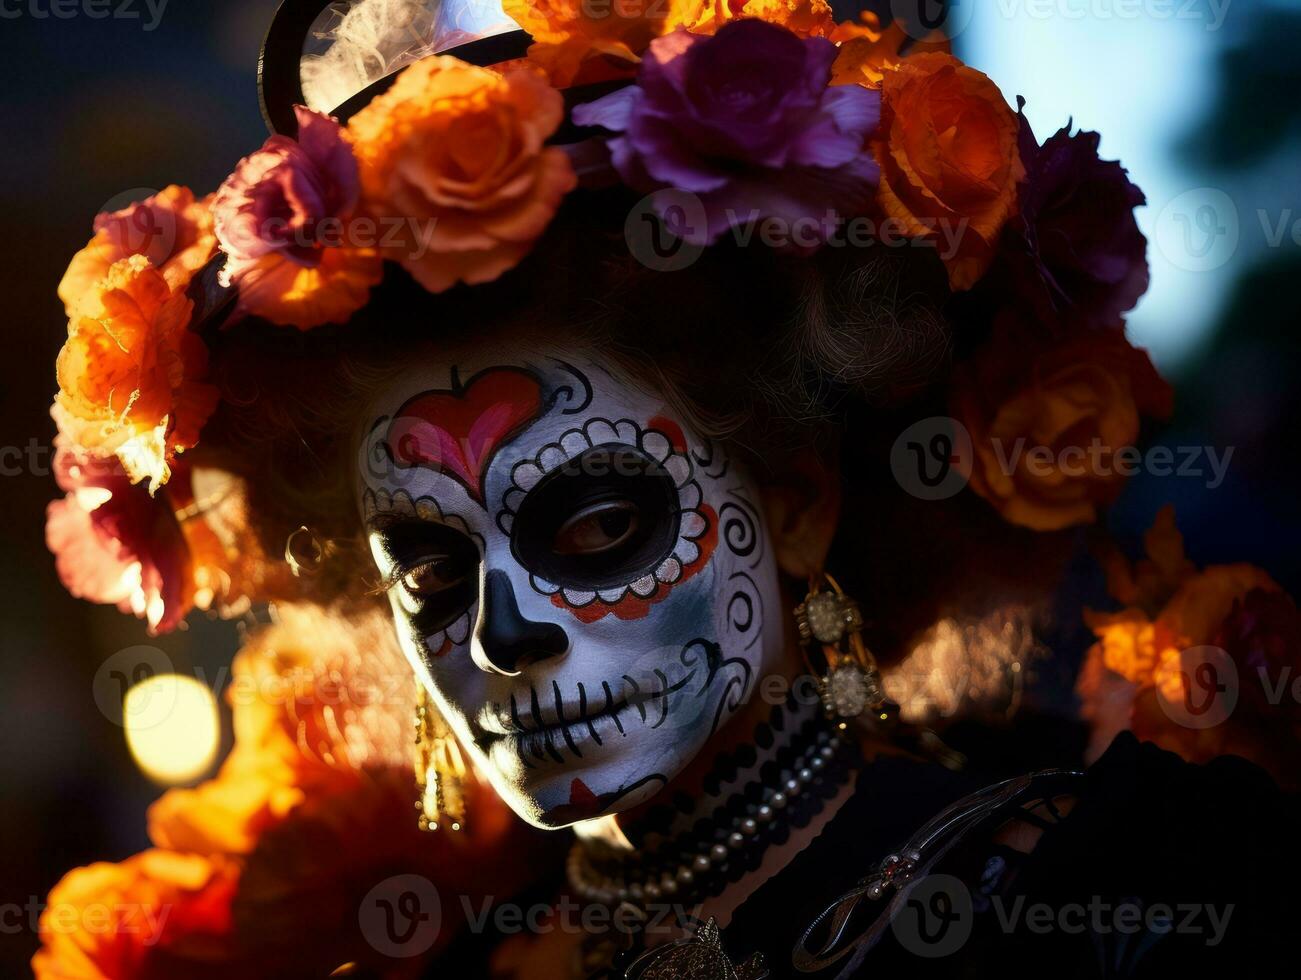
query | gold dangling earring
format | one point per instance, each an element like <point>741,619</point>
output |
<point>440,770</point>
<point>850,681</point>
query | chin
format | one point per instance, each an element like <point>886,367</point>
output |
<point>607,779</point>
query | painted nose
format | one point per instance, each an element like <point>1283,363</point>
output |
<point>505,642</point>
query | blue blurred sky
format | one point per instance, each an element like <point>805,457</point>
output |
<point>1142,73</point>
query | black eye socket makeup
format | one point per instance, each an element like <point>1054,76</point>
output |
<point>599,521</point>
<point>432,564</point>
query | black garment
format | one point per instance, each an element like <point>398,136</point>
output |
<point>1149,832</point>
<point>1162,869</point>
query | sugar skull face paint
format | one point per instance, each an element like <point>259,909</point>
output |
<point>584,584</point>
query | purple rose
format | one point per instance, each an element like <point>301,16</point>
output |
<point>747,122</point>
<point>291,197</point>
<point>1075,250</point>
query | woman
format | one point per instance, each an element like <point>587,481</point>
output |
<point>620,498</point>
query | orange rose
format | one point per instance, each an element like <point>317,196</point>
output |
<point>1046,427</point>
<point>171,229</point>
<point>130,373</point>
<point>455,157</point>
<point>949,159</point>
<point>154,916</point>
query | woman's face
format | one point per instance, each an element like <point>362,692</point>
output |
<point>586,586</point>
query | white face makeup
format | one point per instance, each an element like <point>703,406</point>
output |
<point>586,586</point>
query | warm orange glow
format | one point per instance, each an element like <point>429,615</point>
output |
<point>172,728</point>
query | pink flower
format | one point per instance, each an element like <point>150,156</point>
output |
<point>114,543</point>
<point>283,220</point>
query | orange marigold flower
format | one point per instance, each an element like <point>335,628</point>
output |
<point>867,50</point>
<point>154,916</point>
<point>171,229</point>
<point>455,157</point>
<point>310,713</point>
<point>1047,423</point>
<point>1129,643</point>
<point>805,18</point>
<point>322,764</point>
<point>1135,675</point>
<point>949,159</point>
<point>130,374</point>
<point>579,42</point>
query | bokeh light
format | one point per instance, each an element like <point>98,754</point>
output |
<point>172,728</point>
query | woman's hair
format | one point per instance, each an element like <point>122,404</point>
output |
<point>770,353</point>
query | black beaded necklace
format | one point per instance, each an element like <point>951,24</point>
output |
<point>786,791</point>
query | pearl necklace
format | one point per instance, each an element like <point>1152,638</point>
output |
<point>722,847</point>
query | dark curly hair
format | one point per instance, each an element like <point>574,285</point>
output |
<point>771,353</point>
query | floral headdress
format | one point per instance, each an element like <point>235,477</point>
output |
<point>732,113</point>
<point>738,114</point>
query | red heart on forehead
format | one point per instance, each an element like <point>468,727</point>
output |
<point>459,431</point>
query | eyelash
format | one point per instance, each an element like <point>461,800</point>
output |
<point>394,578</point>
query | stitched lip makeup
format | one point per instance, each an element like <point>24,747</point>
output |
<point>548,714</point>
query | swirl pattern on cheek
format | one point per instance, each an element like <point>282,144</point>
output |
<point>745,612</point>
<point>741,529</point>
<point>697,522</point>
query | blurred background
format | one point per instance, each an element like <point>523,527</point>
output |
<point>1196,97</point>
